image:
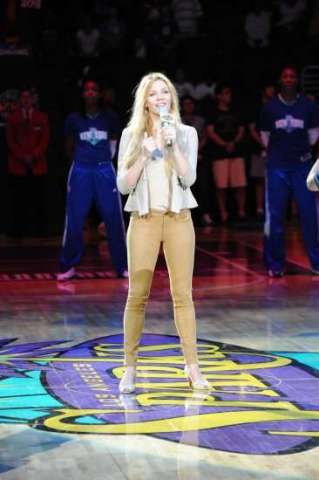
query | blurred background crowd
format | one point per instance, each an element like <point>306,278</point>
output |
<point>222,55</point>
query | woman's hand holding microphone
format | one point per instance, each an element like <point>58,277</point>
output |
<point>169,134</point>
<point>165,136</point>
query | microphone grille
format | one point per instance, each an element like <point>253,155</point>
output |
<point>163,110</point>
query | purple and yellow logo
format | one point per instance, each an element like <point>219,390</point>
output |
<point>259,403</point>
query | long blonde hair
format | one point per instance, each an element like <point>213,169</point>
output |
<point>140,121</point>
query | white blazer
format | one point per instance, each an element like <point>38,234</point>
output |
<point>181,195</point>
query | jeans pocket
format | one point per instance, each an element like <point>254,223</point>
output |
<point>183,216</point>
<point>136,217</point>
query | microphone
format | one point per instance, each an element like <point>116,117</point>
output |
<point>166,121</point>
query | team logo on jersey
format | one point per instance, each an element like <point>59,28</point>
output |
<point>93,136</point>
<point>289,123</point>
<point>259,402</point>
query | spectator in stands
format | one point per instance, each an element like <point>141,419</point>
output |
<point>225,133</point>
<point>167,38</point>
<point>29,22</point>
<point>155,18</point>
<point>102,7</point>
<point>183,86</point>
<point>112,31</point>
<point>188,107</point>
<point>187,13</point>
<point>108,106</point>
<point>88,39</point>
<point>28,139</point>
<point>9,102</point>
<point>291,13</point>
<point>313,28</point>
<point>140,49</point>
<point>258,25</point>
<point>258,158</point>
<point>203,88</point>
<point>166,23</point>
<point>108,103</point>
<point>203,182</point>
<point>152,12</point>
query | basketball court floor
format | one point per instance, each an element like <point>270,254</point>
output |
<point>61,416</point>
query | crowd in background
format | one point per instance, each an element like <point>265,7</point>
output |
<point>120,40</point>
<point>223,55</point>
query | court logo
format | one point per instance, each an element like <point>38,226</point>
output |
<point>259,402</point>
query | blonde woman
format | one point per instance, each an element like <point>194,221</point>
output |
<point>157,165</point>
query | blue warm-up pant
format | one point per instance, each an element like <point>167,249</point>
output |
<point>88,183</point>
<point>282,184</point>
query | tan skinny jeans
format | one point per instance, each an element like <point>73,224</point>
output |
<point>144,237</point>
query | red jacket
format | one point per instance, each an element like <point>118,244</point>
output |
<point>28,137</point>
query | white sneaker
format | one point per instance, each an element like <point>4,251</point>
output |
<point>63,277</point>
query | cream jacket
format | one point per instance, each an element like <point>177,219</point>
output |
<point>181,195</point>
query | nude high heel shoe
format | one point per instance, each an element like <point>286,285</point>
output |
<point>200,383</point>
<point>127,383</point>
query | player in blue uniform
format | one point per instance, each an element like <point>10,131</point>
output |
<point>289,129</point>
<point>89,141</point>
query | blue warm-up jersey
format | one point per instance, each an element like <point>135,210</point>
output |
<point>91,135</point>
<point>288,126</point>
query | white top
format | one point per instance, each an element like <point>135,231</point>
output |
<point>180,196</point>
<point>158,173</point>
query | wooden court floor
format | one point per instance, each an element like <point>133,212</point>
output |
<point>61,416</point>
